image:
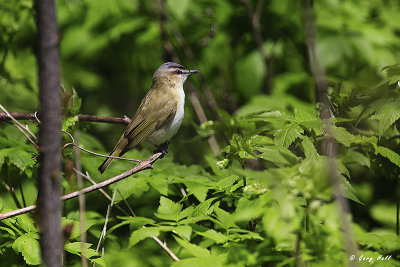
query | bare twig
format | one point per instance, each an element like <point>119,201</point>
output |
<point>11,117</point>
<point>163,245</point>
<point>23,129</point>
<point>89,118</point>
<point>193,92</point>
<point>143,165</point>
<point>104,231</point>
<point>88,151</point>
<point>11,190</point>
<point>254,17</point>
<point>82,216</point>
<point>212,141</point>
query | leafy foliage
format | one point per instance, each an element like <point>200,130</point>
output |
<point>268,199</point>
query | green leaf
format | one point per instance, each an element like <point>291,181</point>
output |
<point>159,183</point>
<point>348,190</point>
<point>76,248</point>
<point>392,73</point>
<point>141,234</point>
<point>278,155</point>
<point>28,246</point>
<point>226,183</point>
<point>342,135</point>
<point>26,223</point>
<point>271,116</point>
<point>168,210</point>
<point>215,261</point>
<point>287,134</point>
<point>194,250</point>
<point>213,235</point>
<point>20,158</point>
<point>69,123</point>
<point>184,231</point>
<point>226,219</point>
<point>309,149</point>
<point>134,222</point>
<point>389,154</point>
<point>387,115</point>
<point>204,208</point>
<point>356,157</point>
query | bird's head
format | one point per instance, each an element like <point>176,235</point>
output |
<point>173,72</point>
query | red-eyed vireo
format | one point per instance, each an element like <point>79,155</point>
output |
<point>160,113</point>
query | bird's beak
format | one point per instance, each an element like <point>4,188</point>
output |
<point>193,71</point>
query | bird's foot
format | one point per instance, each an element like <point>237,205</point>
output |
<point>163,148</point>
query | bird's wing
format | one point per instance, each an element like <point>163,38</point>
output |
<point>149,118</point>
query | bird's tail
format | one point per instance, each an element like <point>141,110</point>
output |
<point>105,165</point>
<point>108,161</point>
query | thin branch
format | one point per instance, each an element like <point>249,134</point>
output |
<point>104,231</point>
<point>9,116</point>
<point>87,177</point>
<point>254,17</point>
<point>164,246</point>
<point>82,205</point>
<point>88,151</point>
<point>330,146</point>
<point>193,92</point>
<point>11,190</point>
<point>88,118</point>
<point>144,165</point>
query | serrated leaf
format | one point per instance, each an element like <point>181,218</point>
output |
<point>392,73</point>
<point>214,235</point>
<point>387,115</point>
<point>309,149</point>
<point>227,182</point>
<point>278,155</point>
<point>69,123</point>
<point>204,208</point>
<point>354,156</point>
<point>159,183</point>
<point>342,136</point>
<point>185,213</point>
<point>99,261</point>
<point>272,116</point>
<point>134,222</point>
<point>214,261</point>
<point>141,234</point>
<point>168,210</point>
<point>389,154</point>
<point>348,190</point>
<point>29,247</point>
<point>199,191</point>
<point>226,219</point>
<point>26,223</point>
<point>76,248</point>
<point>183,230</point>
<point>20,158</point>
<point>287,134</point>
<point>302,115</point>
<point>194,250</point>
<point>8,230</point>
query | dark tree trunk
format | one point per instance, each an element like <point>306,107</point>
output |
<point>50,138</point>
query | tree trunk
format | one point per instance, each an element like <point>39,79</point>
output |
<point>48,202</point>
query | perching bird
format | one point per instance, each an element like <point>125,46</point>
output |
<point>160,113</point>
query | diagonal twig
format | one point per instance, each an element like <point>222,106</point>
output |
<point>144,165</point>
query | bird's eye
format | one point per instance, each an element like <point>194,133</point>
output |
<point>177,72</point>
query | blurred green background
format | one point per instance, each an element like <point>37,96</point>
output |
<point>110,49</point>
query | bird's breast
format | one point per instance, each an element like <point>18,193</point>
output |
<point>169,129</point>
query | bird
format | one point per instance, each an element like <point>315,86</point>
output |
<point>159,115</point>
